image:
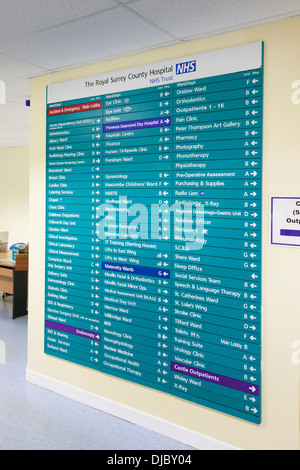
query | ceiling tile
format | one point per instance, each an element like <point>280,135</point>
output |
<point>22,17</point>
<point>192,18</point>
<point>111,33</point>
<point>128,1</point>
<point>13,68</point>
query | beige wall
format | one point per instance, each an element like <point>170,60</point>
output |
<point>14,193</point>
<point>281,266</point>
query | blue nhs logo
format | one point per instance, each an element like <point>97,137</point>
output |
<point>186,67</point>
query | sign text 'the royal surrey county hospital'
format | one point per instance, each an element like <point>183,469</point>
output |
<point>153,226</point>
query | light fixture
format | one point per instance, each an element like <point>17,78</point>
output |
<point>2,92</point>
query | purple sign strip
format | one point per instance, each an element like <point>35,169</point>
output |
<point>130,269</point>
<point>215,378</point>
<point>290,233</point>
<point>72,330</point>
<point>142,124</point>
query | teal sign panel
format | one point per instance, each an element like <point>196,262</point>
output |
<point>153,236</point>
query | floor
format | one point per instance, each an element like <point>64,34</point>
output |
<point>33,418</point>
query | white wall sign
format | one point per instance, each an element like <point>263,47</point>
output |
<point>209,64</point>
<point>285,221</point>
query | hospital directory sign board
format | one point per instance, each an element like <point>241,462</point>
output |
<point>153,226</point>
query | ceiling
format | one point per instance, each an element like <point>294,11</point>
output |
<point>38,37</point>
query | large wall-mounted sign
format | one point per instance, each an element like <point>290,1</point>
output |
<point>153,226</point>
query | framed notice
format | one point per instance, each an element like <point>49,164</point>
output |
<point>285,221</point>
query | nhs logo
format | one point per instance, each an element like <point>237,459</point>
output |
<point>186,67</point>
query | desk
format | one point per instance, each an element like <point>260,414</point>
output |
<point>14,281</point>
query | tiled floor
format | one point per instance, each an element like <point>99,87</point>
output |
<point>32,418</point>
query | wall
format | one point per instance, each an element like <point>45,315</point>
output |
<point>281,267</point>
<point>14,193</point>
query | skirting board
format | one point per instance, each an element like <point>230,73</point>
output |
<point>170,430</point>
